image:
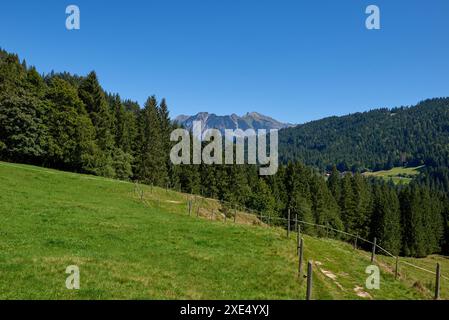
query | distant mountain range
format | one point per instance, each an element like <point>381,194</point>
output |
<point>251,120</point>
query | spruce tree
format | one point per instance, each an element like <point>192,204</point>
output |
<point>360,219</point>
<point>334,183</point>
<point>166,129</point>
<point>97,107</point>
<point>386,219</point>
<point>299,201</point>
<point>348,204</point>
<point>414,239</point>
<point>324,207</point>
<point>151,165</point>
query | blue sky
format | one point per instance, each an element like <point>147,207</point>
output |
<point>293,60</point>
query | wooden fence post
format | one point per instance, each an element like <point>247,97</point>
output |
<point>296,221</point>
<point>355,241</point>
<point>309,281</point>
<point>298,239</point>
<point>300,257</point>
<point>373,253</point>
<point>396,270</point>
<point>437,282</point>
<point>288,224</point>
<point>225,217</point>
<point>235,214</point>
<point>190,207</point>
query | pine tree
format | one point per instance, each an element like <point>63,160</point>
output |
<point>209,179</point>
<point>262,200</point>
<point>334,183</point>
<point>360,219</point>
<point>432,208</point>
<point>190,178</point>
<point>386,219</point>
<point>324,206</point>
<point>348,204</point>
<point>299,201</point>
<point>97,107</point>
<point>411,217</point>
<point>445,214</point>
<point>166,129</point>
<point>276,183</point>
<point>151,165</point>
<point>122,158</point>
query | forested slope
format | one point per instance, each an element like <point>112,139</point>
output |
<point>377,139</point>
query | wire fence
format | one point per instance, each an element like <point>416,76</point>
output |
<point>232,210</point>
<point>354,236</point>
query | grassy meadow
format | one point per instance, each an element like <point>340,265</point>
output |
<point>399,175</point>
<point>132,249</point>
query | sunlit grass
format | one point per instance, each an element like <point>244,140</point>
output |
<point>399,175</point>
<point>128,249</point>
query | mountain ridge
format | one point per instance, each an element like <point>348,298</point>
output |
<point>250,120</point>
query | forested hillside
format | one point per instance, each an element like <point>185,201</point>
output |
<point>68,122</point>
<point>378,139</point>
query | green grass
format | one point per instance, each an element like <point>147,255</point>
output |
<point>421,280</point>
<point>399,175</point>
<point>128,250</point>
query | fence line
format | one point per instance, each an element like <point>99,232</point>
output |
<point>259,215</point>
<point>379,247</point>
<point>424,269</point>
<point>341,232</point>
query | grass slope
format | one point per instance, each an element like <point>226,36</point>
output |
<point>128,250</point>
<point>399,175</point>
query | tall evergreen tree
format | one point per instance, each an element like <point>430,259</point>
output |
<point>297,187</point>
<point>360,217</point>
<point>166,129</point>
<point>334,183</point>
<point>324,206</point>
<point>151,164</point>
<point>97,107</point>
<point>386,219</point>
<point>348,204</point>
